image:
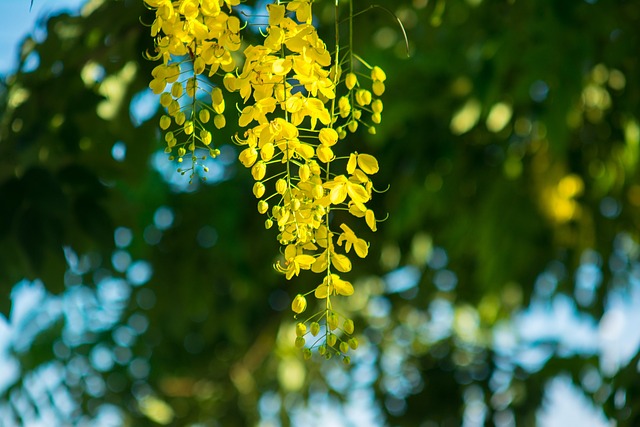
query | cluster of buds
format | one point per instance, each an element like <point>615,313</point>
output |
<point>194,39</point>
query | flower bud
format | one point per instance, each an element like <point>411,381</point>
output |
<point>363,97</point>
<point>377,74</point>
<point>165,99</point>
<point>331,340</point>
<point>267,151</point>
<point>314,167</point>
<point>348,326</point>
<point>378,88</point>
<point>299,303</point>
<point>173,108</point>
<point>176,89</point>
<point>192,84</point>
<point>344,107</point>
<point>216,96</point>
<point>281,186</point>
<point>300,342</point>
<point>258,189</point>
<point>263,206</point>
<point>198,65</point>
<point>304,173</point>
<point>353,343</point>
<point>188,127</point>
<point>377,106</point>
<point>229,81</point>
<point>328,136</point>
<point>259,170</point>
<point>315,328</point>
<point>205,137</point>
<point>317,191</point>
<point>350,81</point>
<point>344,347</point>
<point>204,115</point>
<point>219,121</point>
<point>180,118</point>
<point>165,122</point>
<point>301,329</point>
<point>219,108</point>
<point>332,320</point>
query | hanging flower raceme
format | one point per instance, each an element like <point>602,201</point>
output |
<point>298,106</point>
<point>289,85</point>
<point>194,39</point>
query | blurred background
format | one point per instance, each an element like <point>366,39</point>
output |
<point>502,290</point>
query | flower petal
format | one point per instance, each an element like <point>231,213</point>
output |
<point>368,163</point>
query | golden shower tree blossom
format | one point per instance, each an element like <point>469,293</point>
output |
<point>297,109</point>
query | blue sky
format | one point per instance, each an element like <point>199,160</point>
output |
<point>16,22</point>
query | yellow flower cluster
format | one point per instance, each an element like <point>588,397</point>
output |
<point>194,39</point>
<point>289,88</point>
<point>297,108</point>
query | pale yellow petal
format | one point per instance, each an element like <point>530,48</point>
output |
<point>351,164</point>
<point>361,247</point>
<point>305,261</point>
<point>368,163</point>
<point>322,291</point>
<point>342,287</point>
<point>341,262</point>
<point>370,219</point>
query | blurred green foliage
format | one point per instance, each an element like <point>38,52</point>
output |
<point>510,143</point>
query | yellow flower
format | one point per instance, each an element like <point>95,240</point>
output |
<point>302,9</point>
<point>257,112</point>
<point>294,262</point>
<point>351,240</point>
<point>341,187</point>
<point>276,14</point>
<point>333,285</point>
